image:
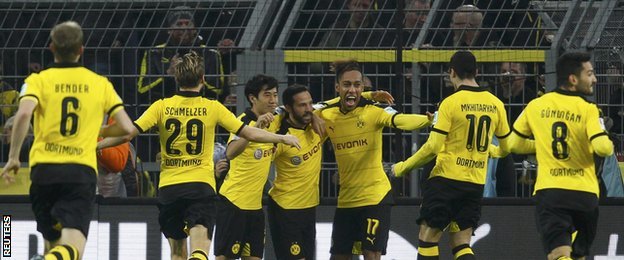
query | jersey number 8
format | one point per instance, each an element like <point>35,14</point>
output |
<point>559,144</point>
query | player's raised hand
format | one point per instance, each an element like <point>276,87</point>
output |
<point>10,170</point>
<point>383,96</point>
<point>291,140</point>
<point>264,120</point>
<point>430,115</point>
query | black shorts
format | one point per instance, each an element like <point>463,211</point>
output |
<point>183,206</point>
<point>62,205</point>
<point>362,228</point>
<point>447,201</point>
<point>293,231</point>
<point>239,232</point>
<point>556,224</point>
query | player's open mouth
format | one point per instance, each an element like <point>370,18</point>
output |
<point>350,100</point>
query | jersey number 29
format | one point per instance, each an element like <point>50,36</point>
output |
<point>194,133</point>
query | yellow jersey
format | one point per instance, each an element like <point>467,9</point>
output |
<point>244,183</point>
<point>186,125</point>
<point>71,104</point>
<point>296,184</point>
<point>563,124</point>
<point>356,137</point>
<point>469,118</point>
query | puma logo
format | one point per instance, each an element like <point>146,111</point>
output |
<point>371,240</point>
<point>331,128</point>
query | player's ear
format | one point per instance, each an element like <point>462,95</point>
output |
<point>288,109</point>
<point>572,79</point>
<point>452,73</point>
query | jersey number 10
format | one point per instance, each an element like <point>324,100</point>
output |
<point>482,130</point>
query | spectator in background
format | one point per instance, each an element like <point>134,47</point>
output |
<point>416,12</point>
<point>356,29</point>
<point>156,71</point>
<point>111,161</point>
<point>465,29</point>
<point>513,88</point>
<point>116,171</point>
<point>156,79</point>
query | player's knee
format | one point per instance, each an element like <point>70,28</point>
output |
<point>429,234</point>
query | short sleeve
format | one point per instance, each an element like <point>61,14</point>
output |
<point>521,127</point>
<point>595,126</point>
<point>31,89</point>
<point>443,122</point>
<point>150,117</point>
<point>112,101</point>
<point>227,120</point>
<point>384,116</point>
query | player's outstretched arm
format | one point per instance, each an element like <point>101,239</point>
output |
<point>114,141</point>
<point>261,136</point>
<point>426,153</point>
<point>518,144</point>
<point>122,128</point>
<point>20,129</point>
<point>602,145</point>
<point>411,122</point>
<point>122,131</point>
<point>238,145</point>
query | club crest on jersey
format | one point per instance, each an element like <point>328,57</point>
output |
<point>258,154</point>
<point>359,123</point>
<point>295,160</point>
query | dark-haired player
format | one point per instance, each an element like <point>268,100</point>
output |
<point>466,123</point>
<point>355,125</point>
<point>568,132</point>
